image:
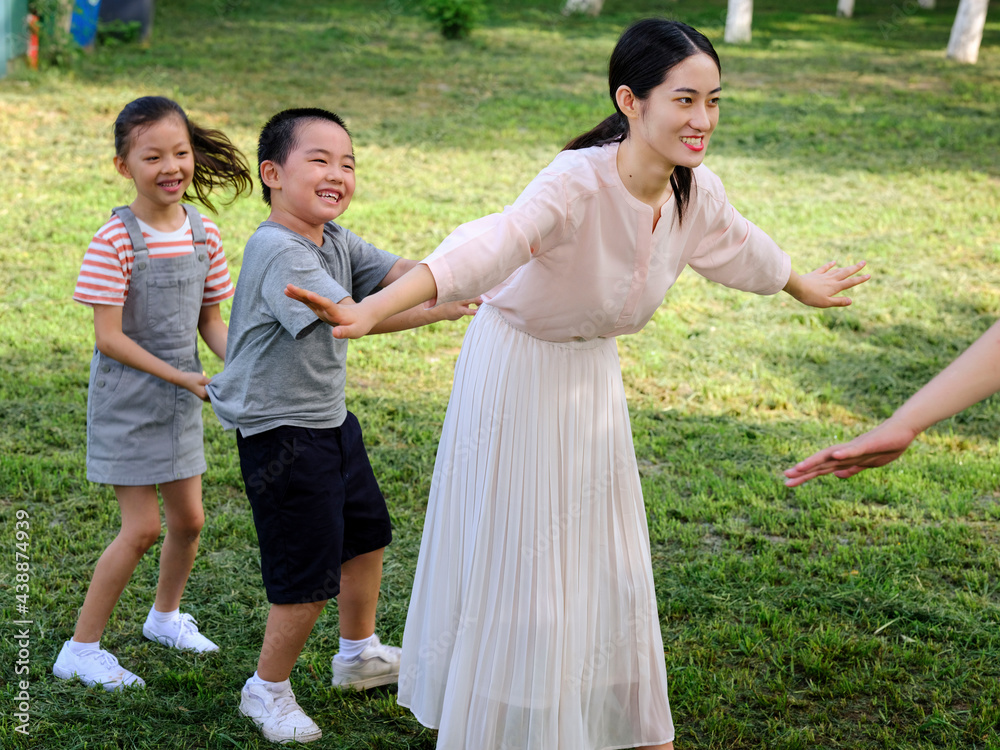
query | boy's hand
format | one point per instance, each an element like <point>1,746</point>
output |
<point>456,310</point>
<point>348,319</point>
<point>817,288</point>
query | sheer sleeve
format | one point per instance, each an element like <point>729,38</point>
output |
<point>734,251</point>
<point>482,253</point>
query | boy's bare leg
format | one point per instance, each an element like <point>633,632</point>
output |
<point>288,628</point>
<point>360,579</point>
<point>289,625</point>
<point>667,746</point>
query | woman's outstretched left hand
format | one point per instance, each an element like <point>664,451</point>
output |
<point>819,288</point>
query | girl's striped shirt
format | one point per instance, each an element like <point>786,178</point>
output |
<point>107,265</point>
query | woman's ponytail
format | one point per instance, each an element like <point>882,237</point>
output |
<point>611,130</point>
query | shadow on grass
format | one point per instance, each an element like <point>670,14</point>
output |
<point>874,370</point>
<point>826,611</point>
<point>776,605</point>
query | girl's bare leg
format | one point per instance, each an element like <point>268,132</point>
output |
<point>185,518</point>
<point>140,529</point>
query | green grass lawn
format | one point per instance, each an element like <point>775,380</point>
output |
<point>858,614</point>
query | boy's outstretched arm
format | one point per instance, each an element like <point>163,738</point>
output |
<point>421,315</point>
<point>975,375</point>
<point>398,270</point>
<point>817,288</point>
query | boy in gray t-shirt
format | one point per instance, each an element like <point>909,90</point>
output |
<point>321,520</point>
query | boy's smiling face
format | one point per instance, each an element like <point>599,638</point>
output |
<point>316,183</point>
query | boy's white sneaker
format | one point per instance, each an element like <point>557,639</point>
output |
<point>180,633</point>
<point>272,707</point>
<point>94,667</point>
<point>377,665</point>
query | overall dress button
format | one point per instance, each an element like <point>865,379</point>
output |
<point>105,368</point>
<point>201,256</point>
<point>100,383</point>
<point>142,265</point>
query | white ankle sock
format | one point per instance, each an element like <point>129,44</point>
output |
<point>351,650</point>
<point>78,648</point>
<point>165,617</point>
<point>272,686</point>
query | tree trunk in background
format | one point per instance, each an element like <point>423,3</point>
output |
<point>967,33</point>
<point>738,20</point>
<point>845,8</point>
<point>590,7</point>
<point>926,4</point>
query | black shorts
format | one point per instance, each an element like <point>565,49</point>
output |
<point>316,504</point>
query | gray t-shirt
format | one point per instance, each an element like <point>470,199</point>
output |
<point>283,365</point>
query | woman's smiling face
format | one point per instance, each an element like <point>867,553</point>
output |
<point>676,120</point>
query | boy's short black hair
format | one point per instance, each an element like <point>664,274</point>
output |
<point>277,137</point>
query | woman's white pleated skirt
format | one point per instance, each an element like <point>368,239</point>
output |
<point>533,621</point>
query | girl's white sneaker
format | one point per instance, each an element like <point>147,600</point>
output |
<point>94,667</point>
<point>181,633</point>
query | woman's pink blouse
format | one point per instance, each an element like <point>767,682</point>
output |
<point>576,256</point>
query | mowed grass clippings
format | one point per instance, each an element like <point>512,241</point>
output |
<point>861,614</point>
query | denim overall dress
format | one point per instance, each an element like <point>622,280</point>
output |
<point>141,429</point>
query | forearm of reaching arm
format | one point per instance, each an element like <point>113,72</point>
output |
<point>413,288</point>
<point>412,318</point>
<point>975,375</point>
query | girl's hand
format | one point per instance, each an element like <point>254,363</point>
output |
<point>880,446</point>
<point>817,288</point>
<point>195,382</point>
<point>456,310</point>
<point>348,320</point>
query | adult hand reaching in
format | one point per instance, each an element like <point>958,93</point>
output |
<point>975,375</point>
<point>879,446</point>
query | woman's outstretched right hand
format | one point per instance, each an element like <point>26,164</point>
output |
<point>346,317</point>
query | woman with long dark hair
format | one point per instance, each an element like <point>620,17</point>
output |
<point>533,620</point>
